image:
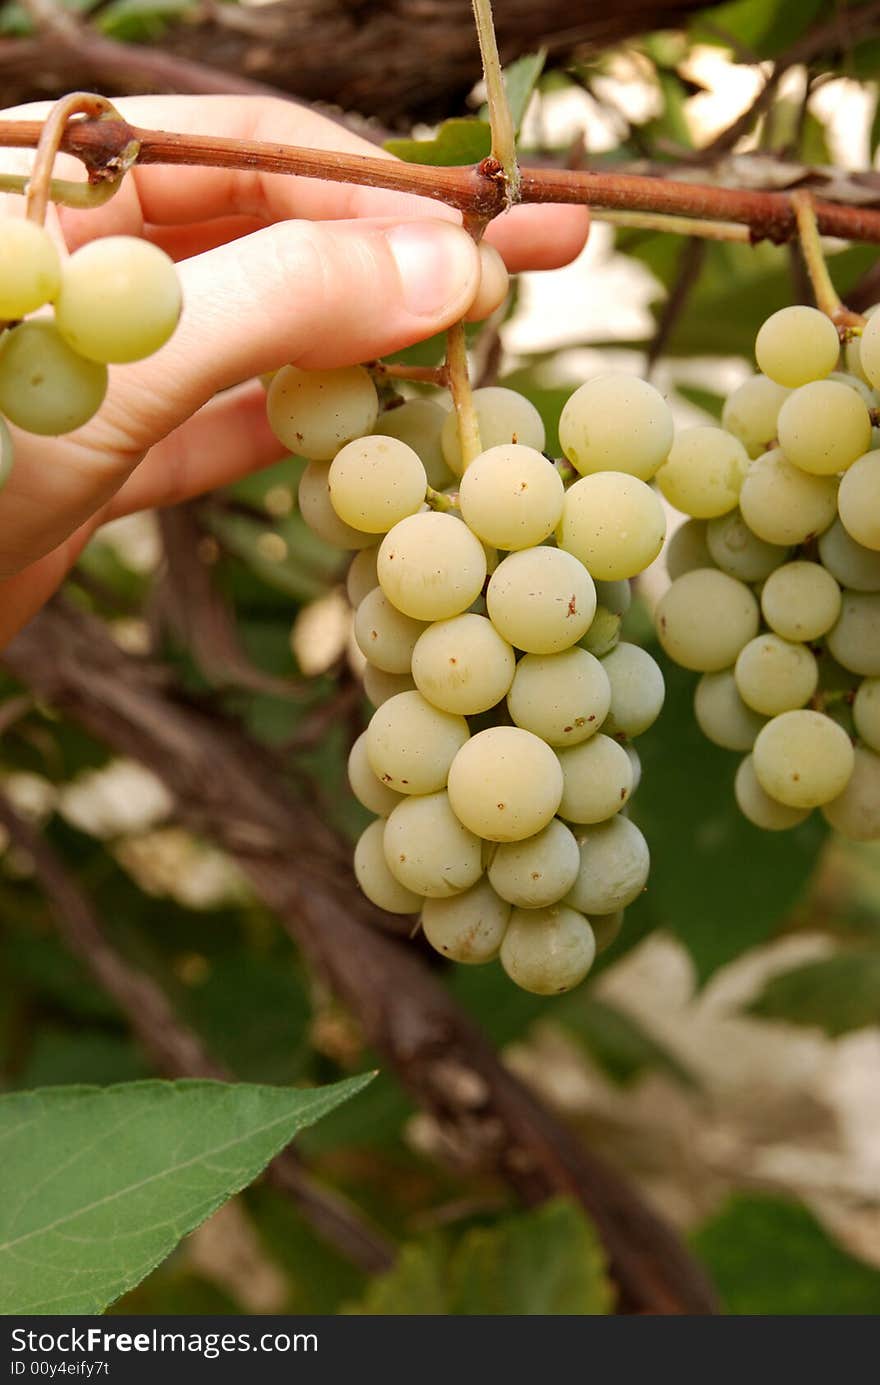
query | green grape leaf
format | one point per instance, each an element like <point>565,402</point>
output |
<point>520,80</point>
<point>142,21</point>
<point>619,1044</point>
<point>769,1258</point>
<point>718,883</point>
<point>545,1262</point>
<point>837,994</point>
<point>461,140</point>
<point>468,139</point>
<point>762,28</point>
<point>100,1184</point>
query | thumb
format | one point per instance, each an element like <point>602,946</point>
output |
<point>315,295</point>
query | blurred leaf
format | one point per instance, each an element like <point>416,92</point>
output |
<point>142,21</point>
<point>718,883</point>
<point>101,1184</point>
<point>461,140</point>
<point>762,28</point>
<point>173,1292</point>
<point>520,80</point>
<point>60,1057</point>
<point>739,286</point>
<point>619,1044</point>
<point>769,1258</point>
<point>545,1262</point>
<point>707,400</point>
<point>415,1287</point>
<point>837,994</point>
<point>319,1279</point>
<point>303,574</point>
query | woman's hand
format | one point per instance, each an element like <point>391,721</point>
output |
<point>274,269</point>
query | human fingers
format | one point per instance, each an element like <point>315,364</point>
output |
<point>225,440</point>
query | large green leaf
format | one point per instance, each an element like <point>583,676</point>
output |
<point>718,883</point>
<point>546,1262</point>
<point>761,28</point>
<point>837,994</point>
<point>99,1184</point>
<point>771,1257</point>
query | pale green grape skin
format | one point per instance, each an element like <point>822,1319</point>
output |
<point>855,382</point>
<point>563,698</point>
<point>537,872</point>
<point>858,501</point>
<point>316,412</point>
<point>803,758</point>
<point>504,416</point>
<point>614,596</point>
<point>785,505</point>
<point>380,686</point>
<point>853,565</point>
<point>758,807</point>
<point>614,523</point>
<point>467,927</point>
<point>45,386</point>
<point>869,348</point>
<point>800,601</point>
<point>369,791</point>
<point>687,548</point>
<point>419,423</point>
<point>362,577</point>
<point>796,345</point>
<point>542,600</point>
<point>463,665</point>
<point>603,634</point>
<point>511,496</point>
<point>547,951</point>
<point>705,618</point>
<point>505,784</point>
<point>616,423</point>
<point>384,635</point>
<point>614,868</point>
<point>866,712</point>
<point>854,640</point>
<point>721,714</point>
<point>606,929</point>
<point>431,566</point>
<point>30,268</point>
<point>704,472</point>
<point>775,675</point>
<point>823,427</point>
<point>7,453</point>
<point>739,552</point>
<point>375,482</point>
<point>316,508</point>
<point>751,412</point>
<point>119,301</point>
<point>428,850</point>
<point>411,745</point>
<point>597,780</point>
<point>374,877</point>
<point>855,813</point>
<point>637,690</point>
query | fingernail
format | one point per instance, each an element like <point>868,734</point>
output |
<point>438,265</point>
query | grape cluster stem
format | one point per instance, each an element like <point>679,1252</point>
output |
<point>106,146</point>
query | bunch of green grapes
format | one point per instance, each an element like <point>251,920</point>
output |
<point>498,758</point>
<point>775,597</point>
<point>114,300</point>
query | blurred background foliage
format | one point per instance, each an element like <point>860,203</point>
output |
<point>723,1054</point>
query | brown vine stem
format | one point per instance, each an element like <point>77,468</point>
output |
<point>473,190</point>
<point>826,295</point>
<point>51,136</point>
